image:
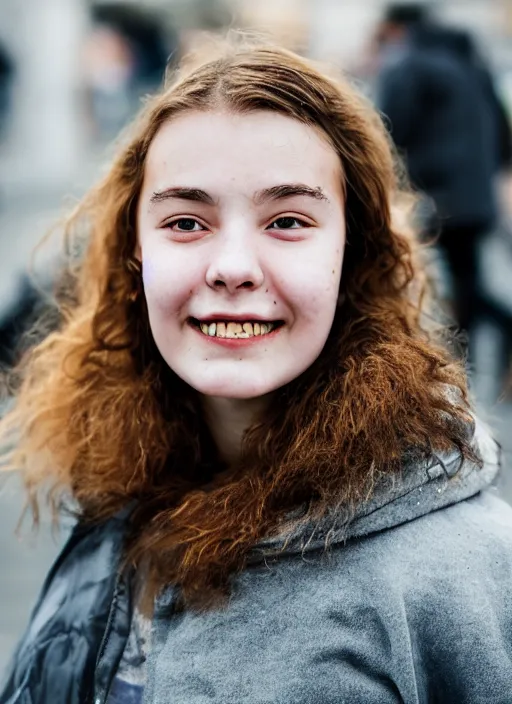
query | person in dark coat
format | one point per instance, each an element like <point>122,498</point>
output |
<point>447,122</point>
<point>464,47</point>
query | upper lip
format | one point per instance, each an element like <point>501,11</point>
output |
<point>236,318</point>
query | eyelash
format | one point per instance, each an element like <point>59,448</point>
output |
<point>302,224</point>
<point>169,225</point>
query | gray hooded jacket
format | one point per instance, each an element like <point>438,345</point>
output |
<point>412,602</point>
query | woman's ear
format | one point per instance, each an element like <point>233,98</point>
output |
<point>137,253</point>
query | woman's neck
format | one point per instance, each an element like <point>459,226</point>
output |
<point>228,419</point>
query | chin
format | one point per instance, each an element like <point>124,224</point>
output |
<point>231,388</point>
<point>234,392</point>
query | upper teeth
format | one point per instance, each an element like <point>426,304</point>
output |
<point>236,330</point>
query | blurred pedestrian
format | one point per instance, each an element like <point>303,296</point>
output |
<point>281,489</point>
<point>127,53</point>
<point>446,119</point>
<point>109,68</point>
<point>153,42</point>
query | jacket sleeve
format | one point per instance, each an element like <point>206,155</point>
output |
<point>55,660</point>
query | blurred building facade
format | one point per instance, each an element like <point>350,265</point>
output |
<point>43,39</point>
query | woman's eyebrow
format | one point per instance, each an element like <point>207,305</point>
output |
<point>288,190</point>
<point>182,193</point>
<point>284,190</point>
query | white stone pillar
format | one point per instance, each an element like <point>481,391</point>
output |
<point>48,135</point>
<point>340,30</point>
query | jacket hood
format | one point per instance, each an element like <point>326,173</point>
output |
<point>431,36</point>
<point>421,488</point>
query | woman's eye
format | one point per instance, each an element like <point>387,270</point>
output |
<point>184,225</point>
<point>287,223</point>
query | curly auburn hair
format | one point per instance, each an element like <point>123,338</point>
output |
<point>101,417</point>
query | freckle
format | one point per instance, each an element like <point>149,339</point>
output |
<point>332,272</point>
<point>266,290</point>
<point>275,303</point>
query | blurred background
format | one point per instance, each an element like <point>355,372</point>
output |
<point>73,72</point>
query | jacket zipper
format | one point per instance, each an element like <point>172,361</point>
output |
<point>101,696</point>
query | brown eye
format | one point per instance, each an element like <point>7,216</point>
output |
<point>185,225</point>
<point>287,223</point>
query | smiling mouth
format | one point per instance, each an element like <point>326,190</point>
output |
<point>232,330</point>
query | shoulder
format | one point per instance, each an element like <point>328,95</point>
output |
<point>440,588</point>
<point>480,527</point>
<point>458,596</point>
<point>449,575</point>
<point>91,553</point>
<point>68,620</point>
<point>469,540</point>
<point>447,572</point>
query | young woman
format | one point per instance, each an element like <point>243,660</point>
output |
<point>282,493</point>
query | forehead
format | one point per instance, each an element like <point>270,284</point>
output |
<point>254,148</point>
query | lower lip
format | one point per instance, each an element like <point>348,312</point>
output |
<point>235,343</point>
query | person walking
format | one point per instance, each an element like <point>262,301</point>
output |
<point>446,122</point>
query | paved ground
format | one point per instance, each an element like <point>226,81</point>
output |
<point>23,216</point>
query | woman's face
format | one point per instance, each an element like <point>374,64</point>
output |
<point>241,232</point>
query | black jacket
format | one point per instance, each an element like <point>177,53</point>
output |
<point>79,626</point>
<point>443,122</point>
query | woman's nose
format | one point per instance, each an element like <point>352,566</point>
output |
<point>235,267</point>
